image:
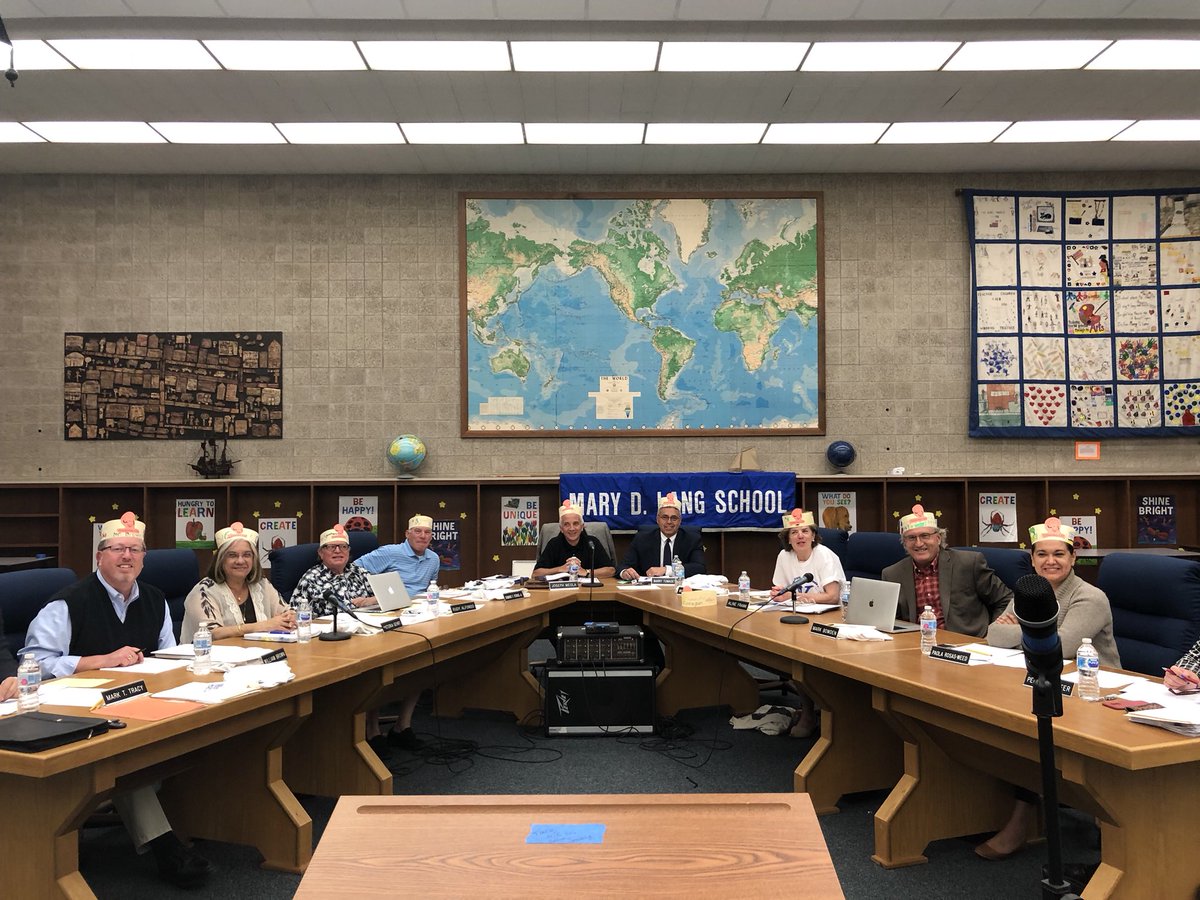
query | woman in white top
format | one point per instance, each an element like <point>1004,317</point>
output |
<point>802,554</point>
<point>235,599</point>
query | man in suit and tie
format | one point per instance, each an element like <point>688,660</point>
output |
<point>652,549</point>
<point>965,594</point>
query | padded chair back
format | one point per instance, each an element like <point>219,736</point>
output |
<point>868,553</point>
<point>836,540</point>
<point>23,594</point>
<point>1008,563</point>
<point>288,564</point>
<point>174,572</point>
<point>598,530</point>
<point>1155,604</point>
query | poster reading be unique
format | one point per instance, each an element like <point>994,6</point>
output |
<point>518,521</point>
<point>195,524</point>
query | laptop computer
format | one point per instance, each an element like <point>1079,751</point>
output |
<point>390,592</point>
<point>874,603</point>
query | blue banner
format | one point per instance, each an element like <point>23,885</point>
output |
<point>629,500</point>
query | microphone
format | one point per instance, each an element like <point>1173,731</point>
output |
<point>1036,609</point>
<point>797,583</point>
<point>335,635</point>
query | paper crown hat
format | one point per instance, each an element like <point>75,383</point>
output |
<point>918,519</point>
<point>798,518</point>
<point>669,500</point>
<point>1052,530</point>
<point>420,521</point>
<point>335,535</point>
<point>236,532</point>
<point>126,526</point>
<point>568,507</point>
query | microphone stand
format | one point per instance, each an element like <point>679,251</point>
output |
<point>1047,705</point>
<point>334,635</point>
<point>793,618</point>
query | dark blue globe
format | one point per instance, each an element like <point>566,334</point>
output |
<point>840,454</point>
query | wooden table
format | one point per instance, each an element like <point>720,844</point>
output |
<point>652,845</point>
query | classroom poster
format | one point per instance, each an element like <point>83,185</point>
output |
<point>445,544</point>
<point>1156,519</point>
<point>518,521</point>
<point>359,513</point>
<point>275,534</point>
<point>195,524</point>
<point>997,518</point>
<point>96,526</point>
<point>1085,530</point>
<point>838,509</point>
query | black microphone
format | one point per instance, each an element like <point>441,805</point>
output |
<point>797,583</point>
<point>1036,609</point>
<point>335,635</point>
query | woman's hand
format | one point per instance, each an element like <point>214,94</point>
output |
<point>1177,678</point>
<point>285,621</point>
<point>1007,619</point>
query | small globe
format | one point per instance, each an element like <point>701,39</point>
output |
<point>840,454</point>
<point>406,452</point>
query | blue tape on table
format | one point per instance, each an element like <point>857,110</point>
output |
<point>566,834</point>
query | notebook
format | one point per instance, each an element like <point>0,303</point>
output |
<point>390,592</point>
<point>874,603</point>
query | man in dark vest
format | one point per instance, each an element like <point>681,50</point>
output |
<point>104,621</point>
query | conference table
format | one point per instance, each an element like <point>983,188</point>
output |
<point>947,741</point>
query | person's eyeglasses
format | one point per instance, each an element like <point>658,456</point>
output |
<point>919,538</point>
<point>132,551</point>
<point>668,518</point>
<point>336,548</point>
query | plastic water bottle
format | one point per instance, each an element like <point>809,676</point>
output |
<point>744,587</point>
<point>677,571</point>
<point>1087,663</point>
<point>304,621</point>
<point>845,598</point>
<point>928,630</point>
<point>573,571</point>
<point>202,648</point>
<point>434,595</point>
<point>29,682</point>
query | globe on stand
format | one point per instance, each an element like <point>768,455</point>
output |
<point>840,455</point>
<point>406,452</point>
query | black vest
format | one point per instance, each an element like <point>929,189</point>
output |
<point>95,628</point>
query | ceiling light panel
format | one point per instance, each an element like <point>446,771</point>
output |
<point>219,132</point>
<point>584,132</point>
<point>16,133</point>
<point>287,56</point>
<point>704,132</point>
<point>1161,130</point>
<point>878,56</point>
<point>1013,56</point>
<point>135,53</point>
<point>1061,132</point>
<point>824,132</point>
<point>942,132</point>
<point>30,56</point>
<point>463,132</point>
<point>731,56</point>
<point>1149,55</point>
<point>437,56</point>
<point>97,132</point>
<point>584,56</point>
<point>341,132</point>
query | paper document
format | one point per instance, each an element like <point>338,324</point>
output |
<point>204,691</point>
<point>1108,680</point>
<point>149,666</point>
<point>86,698</point>
<point>221,653</point>
<point>984,654</point>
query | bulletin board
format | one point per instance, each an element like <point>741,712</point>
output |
<point>1086,313</point>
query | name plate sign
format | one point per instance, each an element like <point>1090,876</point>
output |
<point>662,579</point>
<point>514,595</point>
<point>737,604</point>
<point>824,630</point>
<point>124,692</point>
<point>949,654</point>
<point>274,656</point>
<point>1064,686</point>
<point>462,607</point>
<point>391,625</point>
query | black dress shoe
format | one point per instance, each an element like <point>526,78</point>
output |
<point>180,865</point>
<point>406,739</point>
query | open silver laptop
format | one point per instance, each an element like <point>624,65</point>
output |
<point>390,592</point>
<point>874,603</point>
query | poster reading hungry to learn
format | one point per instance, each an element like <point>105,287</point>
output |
<point>518,521</point>
<point>359,513</point>
<point>195,524</point>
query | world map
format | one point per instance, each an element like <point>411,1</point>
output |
<point>598,315</point>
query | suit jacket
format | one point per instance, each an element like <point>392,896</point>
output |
<point>645,550</point>
<point>8,662</point>
<point>972,595</point>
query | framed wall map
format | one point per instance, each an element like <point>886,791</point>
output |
<point>641,314</point>
<point>1086,310</point>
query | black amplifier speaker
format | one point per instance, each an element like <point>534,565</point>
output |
<point>594,700</point>
<point>600,644</point>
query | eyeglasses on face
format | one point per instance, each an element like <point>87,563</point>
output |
<point>132,551</point>
<point>666,518</point>
<point>920,538</point>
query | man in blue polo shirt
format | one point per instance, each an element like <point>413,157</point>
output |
<point>416,563</point>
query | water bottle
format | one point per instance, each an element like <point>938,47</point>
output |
<point>573,570</point>
<point>434,595</point>
<point>1087,663</point>
<point>744,587</point>
<point>677,571</point>
<point>928,630</point>
<point>29,681</point>
<point>845,598</point>
<point>304,621</point>
<point>202,648</point>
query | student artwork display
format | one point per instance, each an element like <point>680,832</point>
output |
<point>359,513</point>
<point>275,534</point>
<point>195,523</point>
<point>1086,310</point>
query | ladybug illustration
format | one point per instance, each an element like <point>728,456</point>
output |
<point>358,523</point>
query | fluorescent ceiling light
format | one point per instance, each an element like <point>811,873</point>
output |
<point>135,53</point>
<point>584,132</point>
<point>29,56</point>
<point>1149,55</point>
<point>287,56</point>
<point>942,132</point>
<point>1062,132</point>
<point>731,56</point>
<point>704,132</point>
<point>824,132</point>
<point>97,132</point>
<point>878,56</point>
<point>436,56</point>
<point>218,132</point>
<point>463,132</point>
<point>1012,56</point>
<point>16,133</point>
<point>1162,130</point>
<point>341,132</point>
<point>584,56</point>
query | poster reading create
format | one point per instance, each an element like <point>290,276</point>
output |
<point>195,524</point>
<point>590,315</point>
<point>275,534</point>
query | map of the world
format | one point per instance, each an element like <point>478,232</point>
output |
<point>645,314</point>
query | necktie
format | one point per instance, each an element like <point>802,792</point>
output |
<point>666,560</point>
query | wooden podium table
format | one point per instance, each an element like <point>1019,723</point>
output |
<point>618,845</point>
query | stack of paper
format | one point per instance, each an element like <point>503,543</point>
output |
<point>1180,718</point>
<point>221,653</point>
